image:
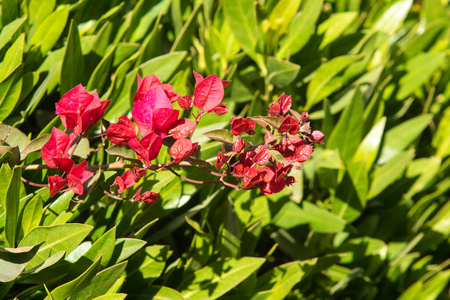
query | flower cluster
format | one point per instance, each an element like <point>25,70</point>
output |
<point>242,163</point>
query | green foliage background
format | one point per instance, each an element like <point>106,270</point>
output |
<point>369,217</point>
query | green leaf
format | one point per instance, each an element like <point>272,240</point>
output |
<point>9,30</point>
<point>32,214</point>
<point>231,234</point>
<point>119,296</point>
<point>124,248</point>
<point>350,199</point>
<point>409,131</point>
<point>72,70</point>
<point>10,90</point>
<point>301,29</point>
<point>426,170</point>
<point>319,219</point>
<point>441,139</point>
<point>388,173</point>
<point>124,152</point>
<point>101,282</point>
<point>39,11</point>
<point>216,279</point>
<point>82,148</point>
<point>278,282</point>
<point>37,96</point>
<point>147,266</point>
<point>184,37</point>
<point>48,33</point>
<point>158,293</point>
<point>393,17</point>
<point>68,289</point>
<point>13,58</point>
<point>14,260</point>
<point>104,247</point>
<point>419,69</point>
<point>347,133</point>
<point>12,136</point>
<point>5,174</point>
<point>101,72</point>
<point>221,135</point>
<point>369,147</point>
<point>65,237</point>
<point>281,72</point>
<point>163,66</point>
<point>334,26</point>
<point>282,14</point>
<point>56,208</point>
<point>326,79</point>
<point>12,207</point>
<point>35,145</point>
<point>242,20</point>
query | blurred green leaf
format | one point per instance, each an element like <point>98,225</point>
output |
<point>346,136</point>
<point>163,66</point>
<point>327,80</point>
<point>100,74</point>
<point>388,173</point>
<point>334,27</point>
<point>369,147</point>
<point>10,90</point>
<point>419,69</point>
<point>158,293</point>
<point>409,131</point>
<point>281,72</point>
<point>124,248</point>
<point>300,29</point>
<point>39,11</point>
<point>282,14</point>
<point>393,17</point>
<point>231,244</point>
<point>184,37</point>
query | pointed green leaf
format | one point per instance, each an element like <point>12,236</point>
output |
<point>101,282</point>
<point>163,66</point>
<point>281,72</point>
<point>388,173</point>
<point>68,289</point>
<point>9,30</point>
<point>72,70</point>
<point>13,58</point>
<point>12,207</point>
<point>327,80</point>
<point>32,214</point>
<point>10,90</point>
<point>56,238</point>
<point>393,17</point>
<point>216,279</point>
<point>221,135</point>
<point>184,37</point>
<point>101,72</point>
<point>144,268</point>
<point>14,260</point>
<point>334,26</point>
<point>301,28</point>
<point>346,136</point>
<point>369,147</point>
<point>125,247</point>
<point>158,293</point>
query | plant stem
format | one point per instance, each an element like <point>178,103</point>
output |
<point>33,183</point>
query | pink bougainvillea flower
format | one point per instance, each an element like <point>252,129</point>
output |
<point>147,149</point>
<point>185,102</point>
<point>289,124</point>
<point>317,136</point>
<point>220,109</point>
<point>77,176</point>
<point>78,109</point>
<point>147,197</point>
<point>149,83</point>
<point>182,128</point>
<point>208,93</point>
<point>56,183</point>
<point>122,132</point>
<point>304,116</point>
<point>281,106</point>
<point>238,145</point>
<point>239,125</point>
<point>303,153</point>
<point>55,152</point>
<point>199,78</point>
<point>221,159</point>
<point>182,149</point>
<point>128,179</point>
<point>262,156</point>
<point>154,113</point>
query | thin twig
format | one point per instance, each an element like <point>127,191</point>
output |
<point>33,183</point>
<point>111,195</point>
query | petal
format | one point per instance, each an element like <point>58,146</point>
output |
<point>208,93</point>
<point>182,128</point>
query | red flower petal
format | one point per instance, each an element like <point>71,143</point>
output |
<point>198,77</point>
<point>121,132</point>
<point>182,128</point>
<point>56,183</point>
<point>208,93</point>
<point>182,149</point>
